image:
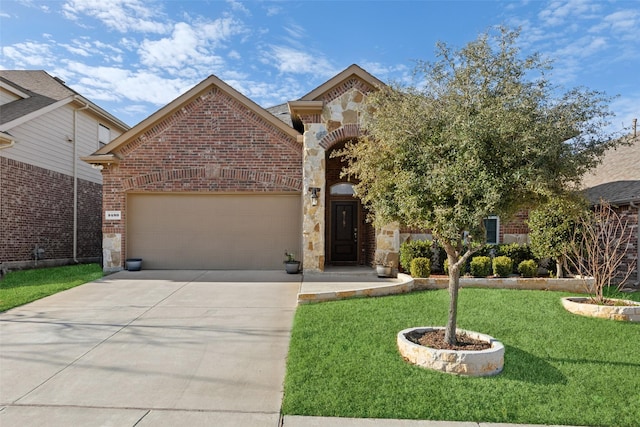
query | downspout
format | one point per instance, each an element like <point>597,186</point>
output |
<point>75,180</point>
<point>635,206</point>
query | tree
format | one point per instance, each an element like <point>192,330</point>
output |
<point>552,227</point>
<point>599,249</point>
<point>480,132</point>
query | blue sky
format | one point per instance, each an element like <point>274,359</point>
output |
<point>131,57</point>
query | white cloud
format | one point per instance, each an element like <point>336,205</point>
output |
<point>111,83</point>
<point>623,24</point>
<point>190,45</point>
<point>289,60</point>
<point>120,15</point>
<point>29,54</point>
<point>566,12</point>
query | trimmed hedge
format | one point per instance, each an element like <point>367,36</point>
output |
<point>414,249</point>
<point>481,266</point>
<point>420,267</point>
<point>528,268</point>
<point>502,266</point>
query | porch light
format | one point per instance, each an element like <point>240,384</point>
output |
<point>314,195</point>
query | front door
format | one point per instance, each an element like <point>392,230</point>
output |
<point>344,231</point>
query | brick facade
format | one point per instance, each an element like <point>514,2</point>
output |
<point>214,144</point>
<point>36,207</point>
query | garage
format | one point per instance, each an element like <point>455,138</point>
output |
<point>205,231</point>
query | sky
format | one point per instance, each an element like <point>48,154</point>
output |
<point>132,57</point>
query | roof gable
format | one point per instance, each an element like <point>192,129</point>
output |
<point>105,154</point>
<point>39,94</point>
<point>350,72</point>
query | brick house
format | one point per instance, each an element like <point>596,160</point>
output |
<point>617,180</point>
<point>50,201</point>
<point>214,181</point>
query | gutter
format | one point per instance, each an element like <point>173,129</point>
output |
<point>75,179</point>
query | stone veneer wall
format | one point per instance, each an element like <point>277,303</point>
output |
<point>36,207</point>
<point>213,144</point>
<point>338,122</point>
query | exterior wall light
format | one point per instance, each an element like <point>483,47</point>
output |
<point>314,195</point>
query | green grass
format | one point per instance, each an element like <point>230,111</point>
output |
<point>21,287</point>
<point>559,368</point>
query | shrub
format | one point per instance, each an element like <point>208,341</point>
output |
<point>516,252</point>
<point>463,270</point>
<point>502,266</point>
<point>528,268</point>
<point>414,249</point>
<point>481,266</point>
<point>420,267</point>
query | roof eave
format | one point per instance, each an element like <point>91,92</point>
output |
<point>101,159</point>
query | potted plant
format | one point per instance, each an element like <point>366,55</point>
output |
<point>383,266</point>
<point>291,265</point>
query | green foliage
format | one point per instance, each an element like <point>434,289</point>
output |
<point>528,268</point>
<point>552,226</point>
<point>414,249</point>
<point>21,287</point>
<point>480,266</point>
<point>502,266</point>
<point>463,270</point>
<point>516,252</point>
<point>420,267</point>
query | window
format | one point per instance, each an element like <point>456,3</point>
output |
<point>492,229</point>
<point>104,135</point>
<point>342,189</point>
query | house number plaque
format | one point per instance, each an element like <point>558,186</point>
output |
<point>112,215</point>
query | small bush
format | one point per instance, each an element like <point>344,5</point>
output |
<point>528,268</point>
<point>420,267</point>
<point>502,266</point>
<point>481,266</point>
<point>463,270</point>
<point>516,252</point>
<point>414,249</point>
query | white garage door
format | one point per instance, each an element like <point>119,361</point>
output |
<point>175,231</point>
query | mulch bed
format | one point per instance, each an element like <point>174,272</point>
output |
<point>435,339</point>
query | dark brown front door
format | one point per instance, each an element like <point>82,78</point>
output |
<point>344,231</point>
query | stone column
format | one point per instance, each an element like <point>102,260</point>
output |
<point>313,175</point>
<point>388,245</point>
<point>111,252</point>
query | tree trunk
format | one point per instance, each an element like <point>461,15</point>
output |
<point>560,261</point>
<point>454,281</point>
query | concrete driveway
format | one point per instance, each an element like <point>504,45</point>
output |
<point>150,348</point>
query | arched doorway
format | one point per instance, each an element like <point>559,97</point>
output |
<point>349,238</point>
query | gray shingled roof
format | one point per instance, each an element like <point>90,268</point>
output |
<point>618,192</point>
<point>42,89</point>
<point>281,112</point>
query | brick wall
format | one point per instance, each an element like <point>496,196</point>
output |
<point>213,144</point>
<point>630,216</point>
<point>36,207</point>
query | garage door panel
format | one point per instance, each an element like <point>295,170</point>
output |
<point>212,231</point>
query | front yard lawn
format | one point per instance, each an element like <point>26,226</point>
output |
<point>21,287</point>
<point>559,368</point>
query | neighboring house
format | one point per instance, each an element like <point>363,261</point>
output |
<point>617,181</point>
<point>214,181</point>
<point>50,201</point>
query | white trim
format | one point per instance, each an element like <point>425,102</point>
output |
<point>23,119</point>
<point>13,90</point>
